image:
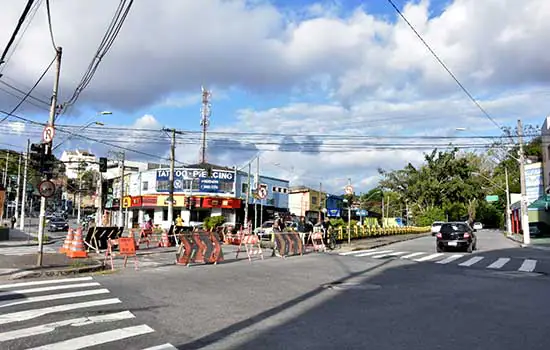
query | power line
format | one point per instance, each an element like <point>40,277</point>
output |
<point>28,93</point>
<point>17,27</point>
<point>470,96</point>
<point>50,24</point>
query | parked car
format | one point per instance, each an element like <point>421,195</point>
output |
<point>265,231</point>
<point>478,226</point>
<point>436,226</point>
<point>456,235</point>
<point>58,224</point>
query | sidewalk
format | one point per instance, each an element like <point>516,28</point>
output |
<point>542,243</point>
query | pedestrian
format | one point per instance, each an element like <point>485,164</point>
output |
<point>179,221</point>
<point>13,220</point>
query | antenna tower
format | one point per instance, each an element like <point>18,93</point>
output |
<point>205,121</point>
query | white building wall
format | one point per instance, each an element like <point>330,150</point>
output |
<point>298,203</point>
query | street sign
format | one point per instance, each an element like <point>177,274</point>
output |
<point>48,133</point>
<point>362,212</point>
<point>46,188</point>
<point>262,193</point>
<point>348,189</point>
<point>493,198</point>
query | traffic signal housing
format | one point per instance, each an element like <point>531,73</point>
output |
<point>102,165</point>
<point>41,159</point>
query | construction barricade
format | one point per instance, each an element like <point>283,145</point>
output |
<point>316,240</point>
<point>77,249</point>
<point>199,247</point>
<point>126,248</point>
<point>249,243</point>
<point>288,243</point>
<point>97,237</point>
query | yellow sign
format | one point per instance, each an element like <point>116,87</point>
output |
<point>126,202</point>
<point>162,201</point>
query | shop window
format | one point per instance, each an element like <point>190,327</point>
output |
<point>164,214</point>
<point>145,186</point>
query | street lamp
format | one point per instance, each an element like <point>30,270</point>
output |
<point>71,134</point>
<point>507,190</point>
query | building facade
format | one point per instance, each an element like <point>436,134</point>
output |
<point>200,191</point>
<point>77,161</point>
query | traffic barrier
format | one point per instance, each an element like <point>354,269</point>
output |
<point>68,242</point>
<point>199,247</point>
<point>165,242</point>
<point>316,239</point>
<point>77,246</point>
<point>126,248</point>
<point>288,243</point>
<point>251,244</point>
<point>97,237</point>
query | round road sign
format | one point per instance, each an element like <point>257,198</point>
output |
<point>262,193</point>
<point>46,188</point>
<point>48,133</point>
<point>348,189</point>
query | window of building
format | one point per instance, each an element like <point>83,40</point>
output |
<point>145,186</point>
<point>244,188</point>
<point>313,200</point>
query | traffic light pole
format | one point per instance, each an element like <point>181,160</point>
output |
<point>51,122</point>
<point>24,192</point>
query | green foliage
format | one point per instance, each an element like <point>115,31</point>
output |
<point>213,221</point>
<point>429,216</point>
<point>338,222</point>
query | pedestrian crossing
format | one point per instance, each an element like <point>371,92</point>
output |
<point>69,313</point>
<point>24,250</point>
<point>463,260</point>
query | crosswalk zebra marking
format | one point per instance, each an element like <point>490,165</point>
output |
<point>373,253</point>
<point>450,259</point>
<point>97,338</point>
<point>33,313</point>
<point>528,265</point>
<point>471,261</point>
<point>48,289</point>
<point>389,254</point>
<point>353,252</point>
<point>55,297</point>
<point>43,282</point>
<point>429,257</point>
<point>75,322</point>
<point>499,263</point>
<point>412,255</point>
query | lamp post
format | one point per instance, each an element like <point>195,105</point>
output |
<point>71,134</point>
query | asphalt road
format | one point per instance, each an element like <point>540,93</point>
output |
<point>316,301</point>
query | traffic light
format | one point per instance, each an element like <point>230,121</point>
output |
<point>38,151</point>
<point>102,165</point>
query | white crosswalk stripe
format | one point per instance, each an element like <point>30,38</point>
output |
<point>527,265</point>
<point>70,305</point>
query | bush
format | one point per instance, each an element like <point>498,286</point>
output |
<point>212,222</point>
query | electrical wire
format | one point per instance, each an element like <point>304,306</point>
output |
<point>28,93</point>
<point>17,28</point>
<point>462,87</point>
<point>50,24</point>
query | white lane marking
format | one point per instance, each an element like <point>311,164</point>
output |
<point>412,255</point>
<point>450,259</point>
<point>374,253</point>
<point>29,300</point>
<point>429,257</point>
<point>528,265</point>
<point>166,346</point>
<point>472,261</point>
<point>97,338</point>
<point>49,289</point>
<point>353,252</point>
<point>389,254</point>
<point>11,251</point>
<point>499,263</point>
<point>43,282</point>
<point>34,313</point>
<point>75,322</point>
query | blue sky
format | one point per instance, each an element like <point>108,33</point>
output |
<point>291,67</point>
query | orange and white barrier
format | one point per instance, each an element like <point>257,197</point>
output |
<point>67,243</point>
<point>77,246</point>
<point>251,244</point>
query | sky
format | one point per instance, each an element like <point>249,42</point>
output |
<point>318,89</point>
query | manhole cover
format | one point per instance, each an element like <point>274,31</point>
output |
<point>350,285</point>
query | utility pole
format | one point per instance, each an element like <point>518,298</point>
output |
<point>171,176</point>
<point>18,189</point>
<point>5,183</point>
<point>247,197</point>
<point>256,186</point>
<point>524,213</point>
<point>320,200</point>
<point>24,194</point>
<point>51,122</point>
<point>80,166</point>
<point>205,121</point>
<point>99,211</point>
<point>120,209</point>
<point>508,221</point>
<point>349,214</point>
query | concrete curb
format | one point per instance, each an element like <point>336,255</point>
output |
<point>382,244</point>
<point>23,274</point>
<point>522,245</point>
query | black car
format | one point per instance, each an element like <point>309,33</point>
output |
<point>456,235</point>
<point>58,224</point>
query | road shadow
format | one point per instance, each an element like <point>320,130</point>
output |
<point>407,305</point>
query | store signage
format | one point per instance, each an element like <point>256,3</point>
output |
<point>209,185</point>
<point>188,174</point>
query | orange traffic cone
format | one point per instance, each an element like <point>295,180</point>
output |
<point>77,247</point>
<point>165,242</point>
<point>67,243</point>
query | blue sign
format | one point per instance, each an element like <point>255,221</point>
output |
<point>362,212</point>
<point>209,185</point>
<point>333,212</point>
